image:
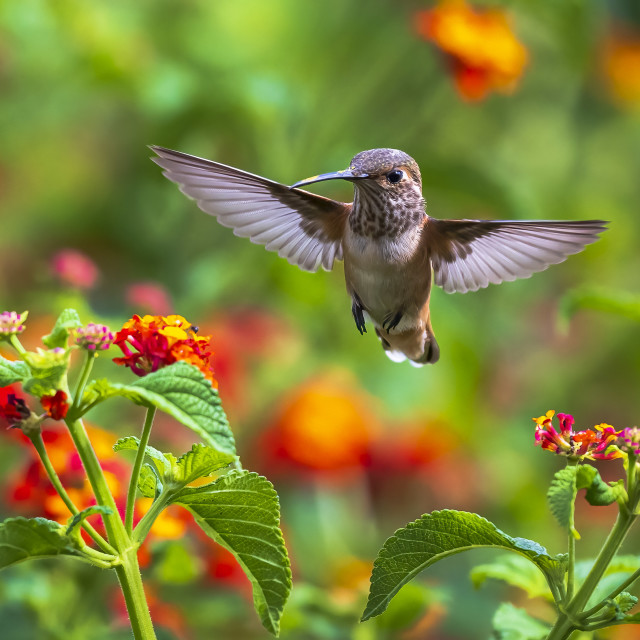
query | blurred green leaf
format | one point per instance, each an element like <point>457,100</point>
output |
<point>619,303</point>
<point>67,321</point>
<point>12,371</point>
<point>512,623</point>
<point>599,493</point>
<point>438,535</point>
<point>177,564</point>
<point>182,391</point>
<point>24,538</point>
<point>409,605</point>
<point>241,512</point>
<point>516,571</point>
<point>48,369</point>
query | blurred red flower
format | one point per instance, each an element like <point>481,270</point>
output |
<point>75,269</point>
<point>153,342</point>
<point>13,408</point>
<point>327,425</point>
<point>56,405</point>
<point>621,65</point>
<point>481,46</point>
<point>151,297</point>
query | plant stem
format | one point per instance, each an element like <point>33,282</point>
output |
<point>17,345</point>
<point>128,571</point>
<point>571,544</point>
<point>134,597</point>
<point>137,465</point>
<point>38,443</point>
<point>84,378</point>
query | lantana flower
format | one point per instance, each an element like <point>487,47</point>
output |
<point>629,440</point>
<point>94,337</point>
<point>481,46</point>
<point>11,323</point>
<point>152,342</point>
<point>13,409</point>
<point>55,405</point>
<point>587,444</point>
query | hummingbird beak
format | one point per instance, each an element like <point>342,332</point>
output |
<point>345,174</point>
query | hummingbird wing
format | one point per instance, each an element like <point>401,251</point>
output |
<point>467,255</point>
<point>302,227</point>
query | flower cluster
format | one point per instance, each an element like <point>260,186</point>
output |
<point>13,409</point>
<point>482,48</point>
<point>594,445</point>
<point>11,323</point>
<point>152,342</point>
<point>94,337</point>
<point>55,405</point>
<point>629,441</point>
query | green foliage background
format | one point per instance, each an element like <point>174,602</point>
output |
<point>288,89</point>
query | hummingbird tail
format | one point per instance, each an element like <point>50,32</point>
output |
<point>419,347</point>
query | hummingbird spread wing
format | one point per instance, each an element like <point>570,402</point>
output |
<point>302,227</point>
<point>467,255</point>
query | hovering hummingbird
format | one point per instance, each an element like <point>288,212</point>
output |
<point>388,243</point>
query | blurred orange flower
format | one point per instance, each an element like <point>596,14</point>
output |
<point>485,54</point>
<point>621,63</point>
<point>326,425</point>
<point>152,342</point>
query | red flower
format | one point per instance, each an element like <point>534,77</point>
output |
<point>483,50</point>
<point>55,405</point>
<point>594,445</point>
<point>149,296</point>
<point>12,408</point>
<point>153,342</point>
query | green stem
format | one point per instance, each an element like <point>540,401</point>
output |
<point>84,378</point>
<point>571,544</point>
<point>134,597</point>
<point>128,571</point>
<point>147,520</point>
<point>137,465</point>
<point>38,443</point>
<point>17,345</point>
<point>627,583</point>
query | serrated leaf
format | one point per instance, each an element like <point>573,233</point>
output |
<point>77,519</point>
<point>512,623</point>
<point>562,494</point>
<point>164,462</point>
<point>625,601</point>
<point>436,536</point>
<point>12,371</point>
<point>515,571</point>
<point>241,511</point>
<point>201,461</point>
<point>149,484</point>
<point>48,369</point>
<point>67,321</point>
<point>24,538</point>
<point>182,391</point>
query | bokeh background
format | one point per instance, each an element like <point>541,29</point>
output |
<point>522,109</point>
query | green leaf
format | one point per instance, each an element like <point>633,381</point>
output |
<point>619,569</point>
<point>177,564</point>
<point>511,623</point>
<point>12,371</point>
<point>436,536</point>
<point>562,495</point>
<point>624,601</point>
<point>164,462</point>
<point>149,484</point>
<point>67,321</point>
<point>182,391</point>
<point>201,461</point>
<point>48,369</point>
<point>76,520</point>
<point>24,538</point>
<point>599,493</point>
<point>516,571</point>
<point>240,511</point>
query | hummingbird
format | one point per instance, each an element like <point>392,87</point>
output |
<point>389,245</point>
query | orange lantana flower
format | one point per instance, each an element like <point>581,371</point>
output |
<point>152,342</point>
<point>621,62</point>
<point>485,53</point>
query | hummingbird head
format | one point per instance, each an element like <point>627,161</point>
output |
<point>389,170</point>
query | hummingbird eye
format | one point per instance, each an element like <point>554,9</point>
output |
<point>395,176</point>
